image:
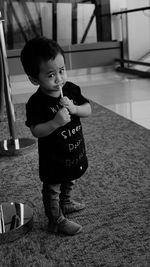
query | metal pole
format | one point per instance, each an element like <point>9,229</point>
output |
<point>7,90</point>
<point>1,89</point>
<point>13,145</point>
<point>125,40</point>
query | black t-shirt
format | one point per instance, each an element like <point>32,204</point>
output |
<point>62,154</point>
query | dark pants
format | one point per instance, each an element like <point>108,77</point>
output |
<point>55,195</point>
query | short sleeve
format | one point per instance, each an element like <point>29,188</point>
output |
<point>74,92</point>
<point>80,98</point>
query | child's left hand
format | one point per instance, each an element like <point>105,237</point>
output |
<point>67,103</point>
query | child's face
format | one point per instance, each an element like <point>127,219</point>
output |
<point>52,74</point>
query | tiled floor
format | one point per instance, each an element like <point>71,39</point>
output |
<point>127,96</point>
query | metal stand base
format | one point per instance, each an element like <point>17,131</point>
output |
<point>16,219</point>
<point>16,147</point>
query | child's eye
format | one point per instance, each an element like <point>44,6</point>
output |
<point>61,71</point>
<point>51,75</point>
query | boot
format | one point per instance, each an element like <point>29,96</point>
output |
<point>57,222</point>
<point>66,203</point>
<point>65,226</point>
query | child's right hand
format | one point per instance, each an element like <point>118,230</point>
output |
<point>62,117</point>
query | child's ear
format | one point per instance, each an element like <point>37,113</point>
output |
<point>33,80</point>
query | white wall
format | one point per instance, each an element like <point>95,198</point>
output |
<point>138,30</point>
<point>64,20</point>
<point>64,23</point>
<point>138,27</point>
<point>84,13</point>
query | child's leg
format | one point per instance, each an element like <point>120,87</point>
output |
<point>57,221</point>
<point>51,194</point>
<point>68,205</point>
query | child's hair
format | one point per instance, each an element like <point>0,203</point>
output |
<point>37,50</point>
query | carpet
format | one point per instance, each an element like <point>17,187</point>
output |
<point>115,189</point>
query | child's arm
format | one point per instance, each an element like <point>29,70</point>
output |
<point>44,129</point>
<point>83,110</point>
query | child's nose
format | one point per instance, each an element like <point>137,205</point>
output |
<point>58,78</point>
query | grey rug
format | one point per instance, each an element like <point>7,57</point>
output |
<point>115,189</point>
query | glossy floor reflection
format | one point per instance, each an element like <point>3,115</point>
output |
<point>128,96</point>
